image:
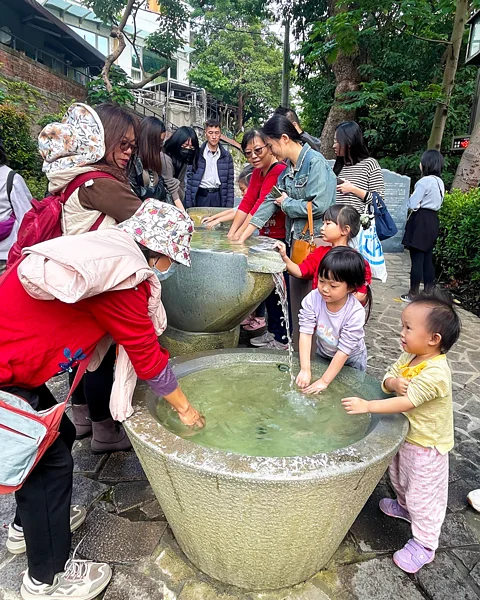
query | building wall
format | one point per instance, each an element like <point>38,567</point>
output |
<point>57,88</point>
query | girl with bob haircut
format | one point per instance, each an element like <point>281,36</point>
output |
<point>179,151</point>
<point>146,172</point>
<point>335,317</point>
<point>358,174</point>
<point>421,230</point>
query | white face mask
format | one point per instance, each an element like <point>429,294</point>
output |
<point>162,275</point>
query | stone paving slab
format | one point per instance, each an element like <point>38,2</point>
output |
<point>108,538</point>
<point>128,584</point>
<point>441,580</point>
<point>84,461</point>
<point>87,491</point>
<point>132,494</point>
<point>122,466</point>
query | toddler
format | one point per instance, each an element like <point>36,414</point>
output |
<point>335,316</point>
<point>422,382</point>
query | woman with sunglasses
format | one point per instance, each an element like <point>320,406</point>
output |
<point>86,142</point>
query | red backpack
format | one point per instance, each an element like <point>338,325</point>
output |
<point>43,221</point>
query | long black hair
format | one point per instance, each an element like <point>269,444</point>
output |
<point>279,125</point>
<point>173,146</point>
<point>344,264</point>
<point>352,145</point>
<point>149,143</point>
<point>432,163</point>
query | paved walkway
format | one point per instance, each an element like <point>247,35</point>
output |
<point>127,528</point>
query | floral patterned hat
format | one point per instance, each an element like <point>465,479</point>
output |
<point>162,228</point>
<point>77,141</point>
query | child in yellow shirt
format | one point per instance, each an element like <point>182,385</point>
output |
<point>422,382</point>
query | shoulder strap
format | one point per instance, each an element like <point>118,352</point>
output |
<point>82,367</point>
<point>10,178</point>
<point>79,180</point>
<point>309,223</point>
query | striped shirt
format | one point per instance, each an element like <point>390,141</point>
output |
<point>366,175</point>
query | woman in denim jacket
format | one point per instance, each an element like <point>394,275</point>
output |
<point>308,176</point>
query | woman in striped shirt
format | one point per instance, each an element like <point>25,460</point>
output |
<point>358,175</point>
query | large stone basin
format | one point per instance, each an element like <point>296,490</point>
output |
<point>206,303</point>
<point>256,522</point>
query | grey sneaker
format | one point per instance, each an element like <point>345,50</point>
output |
<point>262,340</point>
<point>82,580</point>
<point>405,298</point>
<point>274,345</point>
<point>16,540</point>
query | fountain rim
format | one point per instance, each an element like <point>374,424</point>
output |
<point>384,436</point>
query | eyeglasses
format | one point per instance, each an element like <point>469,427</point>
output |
<point>126,146</point>
<point>256,151</point>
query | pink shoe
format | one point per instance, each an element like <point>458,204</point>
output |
<point>247,321</point>
<point>413,556</point>
<point>393,509</point>
<point>255,323</point>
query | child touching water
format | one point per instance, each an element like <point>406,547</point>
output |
<point>422,382</point>
<point>340,225</point>
<point>335,316</point>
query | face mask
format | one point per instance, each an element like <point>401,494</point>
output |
<point>162,275</point>
<point>187,154</point>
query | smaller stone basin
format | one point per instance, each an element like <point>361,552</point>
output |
<point>265,501</point>
<point>225,283</point>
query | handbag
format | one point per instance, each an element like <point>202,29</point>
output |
<point>26,434</point>
<point>385,225</point>
<point>7,225</point>
<point>301,249</point>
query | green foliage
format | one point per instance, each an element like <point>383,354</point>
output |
<point>57,116</point>
<point>19,94</point>
<point>97,92</point>
<point>457,252</point>
<point>19,145</point>
<point>237,58</point>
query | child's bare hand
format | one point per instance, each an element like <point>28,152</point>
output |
<point>281,247</point>
<point>303,378</point>
<point>401,386</point>
<point>316,387</point>
<point>234,237</point>
<point>355,406</point>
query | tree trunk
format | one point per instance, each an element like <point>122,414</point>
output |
<point>453,52</point>
<point>241,108</point>
<point>468,171</point>
<point>345,69</point>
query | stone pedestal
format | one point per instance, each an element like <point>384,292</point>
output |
<point>179,342</point>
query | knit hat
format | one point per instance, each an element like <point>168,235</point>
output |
<point>77,141</point>
<point>162,228</point>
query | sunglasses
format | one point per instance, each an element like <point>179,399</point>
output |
<point>256,151</point>
<point>126,146</point>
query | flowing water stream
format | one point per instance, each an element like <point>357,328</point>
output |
<point>281,291</point>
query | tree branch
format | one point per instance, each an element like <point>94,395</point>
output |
<point>139,84</point>
<point>111,58</point>
<point>420,37</point>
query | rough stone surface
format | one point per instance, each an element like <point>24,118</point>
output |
<point>441,580</point>
<point>131,494</point>
<point>173,567</point>
<point>122,466</point>
<point>83,459</point>
<point>86,491</point>
<point>106,537</point>
<point>11,573</point>
<point>456,532</point>
<point>198,590</point>
<point>457,495</point>
<point>129,584</point>
<point>153,511</point>
<point>469,558</point>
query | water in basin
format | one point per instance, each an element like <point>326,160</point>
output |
<point>250,409</point>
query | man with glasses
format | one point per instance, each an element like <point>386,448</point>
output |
<point>211,184</point>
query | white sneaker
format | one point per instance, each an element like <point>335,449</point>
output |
<point>16,540</point>
<point>262,340</point>
<point>274,345</point>
<point>82,580</point>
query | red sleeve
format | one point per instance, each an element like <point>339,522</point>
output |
<point>368,279</point>
<point>270,180</point>
<point>124,314</point>
<point>252,192</point>
<point>309,266</point>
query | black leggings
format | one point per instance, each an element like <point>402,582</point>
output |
<point>422,270</point>
<point>95,388</point>
<point>43,502</point>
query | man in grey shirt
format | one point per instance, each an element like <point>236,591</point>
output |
<point>292,116</point>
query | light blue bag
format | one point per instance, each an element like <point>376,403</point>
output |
<point>370,247</point>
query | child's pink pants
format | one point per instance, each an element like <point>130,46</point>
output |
<point>420,478</point>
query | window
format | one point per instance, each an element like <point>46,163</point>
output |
<point>102,45</point>
<point>99,42</point>
<point>135,55</point>
<point>152,62</point>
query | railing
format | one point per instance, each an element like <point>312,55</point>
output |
<point>48,60</point>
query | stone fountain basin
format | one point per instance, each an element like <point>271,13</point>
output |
<point>254,522</point>
<point>225,282</point>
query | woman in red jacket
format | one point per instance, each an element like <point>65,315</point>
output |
<point>43,338</point>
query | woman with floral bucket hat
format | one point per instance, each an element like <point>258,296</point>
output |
<point>87,141</point>
<point>66,301</point>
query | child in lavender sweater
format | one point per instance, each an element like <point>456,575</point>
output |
<point>336,317</point>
